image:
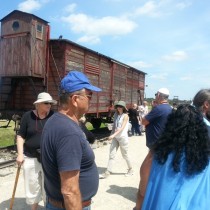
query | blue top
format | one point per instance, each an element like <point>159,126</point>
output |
<point>64,148</point>
<point>168,190</point>
<point>157,118</point>
<point>208,125</point>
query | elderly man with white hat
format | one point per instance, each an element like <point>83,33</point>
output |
<point>154,123</point>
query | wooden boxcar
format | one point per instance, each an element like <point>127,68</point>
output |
<point>31,62</point>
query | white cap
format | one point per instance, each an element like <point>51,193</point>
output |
<point>164,91</point>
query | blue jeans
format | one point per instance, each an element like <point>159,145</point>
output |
<point>51,207</point>
<point>135,128</point>
<point>87,208</point>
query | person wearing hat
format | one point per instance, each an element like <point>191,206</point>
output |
<point>154,123</point>
<point>71,175</point>
<point>119,137</point>
<point>28,145</point>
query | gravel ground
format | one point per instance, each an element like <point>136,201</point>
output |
<point>117,192</point>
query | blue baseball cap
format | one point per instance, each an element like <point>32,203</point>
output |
<point>75,81</point>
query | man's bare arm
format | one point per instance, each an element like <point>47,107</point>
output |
<point>144,121</point>
<point>70,190</point>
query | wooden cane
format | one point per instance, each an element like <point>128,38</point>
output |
<point>15,186</point>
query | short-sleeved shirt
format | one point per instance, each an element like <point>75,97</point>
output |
<point>31,128</point>
<point>167,189</point>
<point>64,147</point>
<point>133,115</point>
<point>157,119</point>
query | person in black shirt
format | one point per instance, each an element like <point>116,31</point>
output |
<point>89,135</point>
<point>28,145</point>
<point>135,120</point>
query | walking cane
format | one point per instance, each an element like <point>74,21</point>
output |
<point>15,186</point>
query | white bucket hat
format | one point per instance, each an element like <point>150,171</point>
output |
<point>45,97</point>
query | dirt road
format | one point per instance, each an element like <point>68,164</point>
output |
<point>117,192</point>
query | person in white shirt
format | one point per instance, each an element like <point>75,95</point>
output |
<point>119,137</point>
<point>143,110</point>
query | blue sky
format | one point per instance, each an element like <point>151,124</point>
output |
<point>167,39</point>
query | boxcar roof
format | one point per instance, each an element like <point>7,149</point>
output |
<point>23,13</point>
<point>113,60</point>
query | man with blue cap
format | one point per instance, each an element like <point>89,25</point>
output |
<point>71,175</point>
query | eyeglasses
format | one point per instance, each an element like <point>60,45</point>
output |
<point>84,95</point>
<point>118,106</point>
<point>47,103</point>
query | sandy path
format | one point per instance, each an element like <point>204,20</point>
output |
<point>115,193</point>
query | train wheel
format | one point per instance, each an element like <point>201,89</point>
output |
<point>96,122</point>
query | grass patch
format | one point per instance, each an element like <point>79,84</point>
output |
<point>7,135</point>
<point>90,126</point>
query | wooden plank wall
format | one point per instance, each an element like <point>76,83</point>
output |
<point>119,80</point>
<point>15,62</point>
<point>56,67</point>
<point>65,57</point>
<point>19,93</point>
<point>22,53</point>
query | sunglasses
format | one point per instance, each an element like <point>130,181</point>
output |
<point>119,106</point>
<point>84,95</point>
<point>47,103</point>
<point>87,96</point>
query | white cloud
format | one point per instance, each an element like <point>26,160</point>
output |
<point>31,5</point>
<point>81,23</point>
<point>176,56</point>
<point>70,8</point>
<point>140,64</point>
<point>160,8</point>
<point>183,5</point>
<point>149,8</point>
<point>96,27</point>
<point>89,39</point>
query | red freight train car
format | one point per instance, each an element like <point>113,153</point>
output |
<point>30,62</point>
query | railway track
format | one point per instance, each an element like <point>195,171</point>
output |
<point>7,163</point>
<point>8,154</point>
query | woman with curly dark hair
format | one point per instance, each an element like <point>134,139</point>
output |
<point>180,172</point>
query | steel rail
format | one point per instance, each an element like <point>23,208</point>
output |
<point>7,163</point>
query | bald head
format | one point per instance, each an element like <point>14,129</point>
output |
<point>134,106</point>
